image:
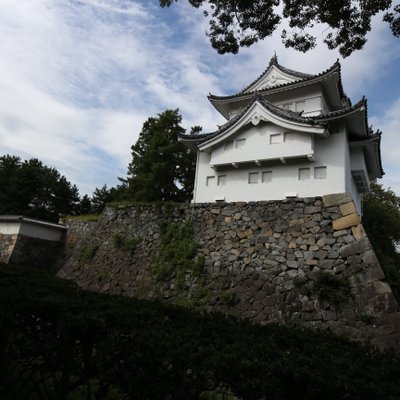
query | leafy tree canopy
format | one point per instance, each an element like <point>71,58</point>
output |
<point>162,169</point>
<point>381,221</point>
<point>241,23</point>
<point>33,189</point>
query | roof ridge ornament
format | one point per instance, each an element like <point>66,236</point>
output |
<point>273,60</point>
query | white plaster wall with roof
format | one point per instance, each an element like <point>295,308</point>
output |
<point>45,232</point>
<point>9,227</point>
<point>288,134</point>
<point>17,225</point>
<point>273,180</point>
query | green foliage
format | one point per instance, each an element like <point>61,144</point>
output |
<point>331,288</point>
<point>126,244</point>
<point>61,343</point>
<point>177,253</point>
<point>103,196</point>
<point>85,205</point>
<point>162,169</point>
<point>87,253</point>
<point>83,217</point>
<point>236,24</point>
<point>32,189</point>
<point>229,298</point>
<point>381,221</point>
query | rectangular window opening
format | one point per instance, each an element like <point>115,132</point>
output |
<point>276,138</point>
<point>304,174</point>
<point>320,173</point>
<point>210,181</point>
<point>266,176</point>
<point>253,177</point>
<point>221,180</point>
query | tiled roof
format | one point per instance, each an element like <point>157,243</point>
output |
<point>286,114</point>
<point>341,113</point>
<point>302,78</point>
<point>274,61</point>
<point>278,111</point>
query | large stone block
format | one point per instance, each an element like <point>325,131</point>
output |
<point>358,232</point>
<point>355,248</point>
<point>335,199</point>
<point>347,208</point>
<point>346,222</point>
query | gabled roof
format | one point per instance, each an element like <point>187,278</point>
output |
<point>273,62</point>
<point>298,80</point>
<point>355,116</point>
<point>265,111</point>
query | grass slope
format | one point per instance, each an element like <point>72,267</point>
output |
<point>60,342</point>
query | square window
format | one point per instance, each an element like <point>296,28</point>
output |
<point>228,145</point>
<point>289,137</point>
<point>275,139</point>
<point>210,181</point>
<point>253,177</point>
<point>320,173</point>
<point>221,180</point>
<point>240,143</point>
<point>304,174</point>
<point>266,176</point>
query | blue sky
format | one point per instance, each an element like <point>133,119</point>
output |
<point>79,78</point>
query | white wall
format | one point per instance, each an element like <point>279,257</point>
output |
<point>262,142</point>
<point>9,228</point>
<point>41,232</point>
<point>329,153</point>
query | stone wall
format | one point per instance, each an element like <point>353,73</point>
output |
<point>302,260</point>
<point>7,243</point>
<point>21,249</point>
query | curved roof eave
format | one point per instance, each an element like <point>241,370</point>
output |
<point>374,160</point>
<point>352,113</point>
<point>257,110</point>
<point>285,86</point>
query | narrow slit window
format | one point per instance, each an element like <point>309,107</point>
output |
<point>304,174</point>
<point>266,176</point>
<point>210,181</point>
<point>253,177</point>
<point>221,180</point>
<point>320,173</point>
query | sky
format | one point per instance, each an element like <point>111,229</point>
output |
<point>78,78</point>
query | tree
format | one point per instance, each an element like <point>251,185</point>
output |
<point>241,23</point>
<point>381,221</point>
<point>85,205</point>
<point>33,189</point>
<point>162,169</point>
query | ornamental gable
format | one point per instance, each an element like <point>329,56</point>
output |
<point>272,77</point>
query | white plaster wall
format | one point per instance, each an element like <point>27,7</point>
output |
<point>9,228</point>
<point>259,145</point>
<point>310,100</point>
<point>328,152</point>
<point>40,232</point>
